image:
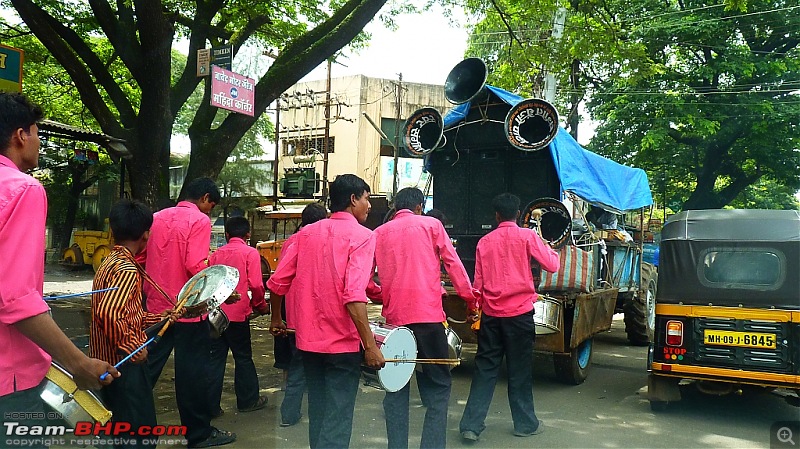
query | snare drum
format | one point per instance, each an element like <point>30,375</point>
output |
<point>208,289</point>
<point>395,342</point>
<point>62,395</point>
<point>453,346</point>
<point>547,315</point>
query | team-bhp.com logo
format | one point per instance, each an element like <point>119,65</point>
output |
<point>93,433</point>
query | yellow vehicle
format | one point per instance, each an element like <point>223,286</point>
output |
<point>279,225</point>
<point>727,311</point>
<point>88,248</point>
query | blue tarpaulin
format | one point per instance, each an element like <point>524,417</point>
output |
<point>596,179</point>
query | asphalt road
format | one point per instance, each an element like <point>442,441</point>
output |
<point>609,410</point>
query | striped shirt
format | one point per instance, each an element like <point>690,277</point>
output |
<point>118,318</point>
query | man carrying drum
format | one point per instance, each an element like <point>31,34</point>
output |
<point>28,333</point>
<point>324,276</point>
<point>409,248</point>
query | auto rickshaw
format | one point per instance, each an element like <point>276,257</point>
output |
<point>728,304</point>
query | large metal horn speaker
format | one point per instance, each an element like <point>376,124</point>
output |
<point>551,220</point>
<point>422,131</point>
<point>466,81</point>
<point>531,124</point>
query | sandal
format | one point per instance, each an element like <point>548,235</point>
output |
<point>260,403</point>
<point>217,438</point>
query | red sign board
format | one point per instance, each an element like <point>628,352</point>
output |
<point>232,91</point>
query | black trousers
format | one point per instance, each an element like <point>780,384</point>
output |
<point>130,399</point>
<point>434,383</point>
<point>332,386</point>
<point>192,344</point>
<point>513,338</point>
<point>26,408</point>
<point>237,339</point>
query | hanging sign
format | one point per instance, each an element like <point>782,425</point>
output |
<point>232,91</point>
<point>11,69</point>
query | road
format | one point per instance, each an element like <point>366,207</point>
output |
<point>609,410</point>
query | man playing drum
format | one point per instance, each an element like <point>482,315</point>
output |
<point>503,277</point>
<point>324,276</point>
<point>28,333</point>
<point>409,248</point>
<point>177,250</point>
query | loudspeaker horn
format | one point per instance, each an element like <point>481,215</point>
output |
<point>466,81</point>
<point>423,131</point>
<point>531,124</point>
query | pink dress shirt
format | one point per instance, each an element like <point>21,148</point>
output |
<point>503,269</point>
<point>236,253</point>
<point>326,266</point>
<point>408,251</point>
<point>177,250</point>
<point>23,210</point>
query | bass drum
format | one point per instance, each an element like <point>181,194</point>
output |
<point>395,342</point>
<point>547,315</point>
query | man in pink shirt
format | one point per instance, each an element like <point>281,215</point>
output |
<point>236,253</point>
<point>177,250</point>
<point>324,275</point>
<point>28,333</point>
<point>409,248</point>
<point>503,277</point>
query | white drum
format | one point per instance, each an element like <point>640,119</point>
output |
<point>547,315</point>
<point>395,342</point>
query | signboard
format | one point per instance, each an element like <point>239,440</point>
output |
<point>232,91</point>
<point>203,61</point>
<point>11,69</point>
<point>222,56</point>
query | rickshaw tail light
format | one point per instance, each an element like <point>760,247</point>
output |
<point>674,333</point>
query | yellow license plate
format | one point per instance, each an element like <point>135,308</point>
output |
<point>742,339</point>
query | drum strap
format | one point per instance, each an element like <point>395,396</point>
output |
<point>149,279</point>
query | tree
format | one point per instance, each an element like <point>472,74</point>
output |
<point>141,34</point>
<point>698,95</point>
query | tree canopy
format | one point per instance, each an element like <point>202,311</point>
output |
<point>703,97</point>
<point>128,84</point>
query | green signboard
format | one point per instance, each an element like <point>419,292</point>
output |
<point>11,69</point>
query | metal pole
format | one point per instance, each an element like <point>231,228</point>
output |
<point>398,95</point>
<point>277,154</point>
<point>326,136</point>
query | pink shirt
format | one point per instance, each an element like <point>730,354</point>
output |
<point>23,210</point>
<point>236,253</point>
<point>177,250</point>
<point>327,265</point>
<point>503,269</point>
<point>408,251</point>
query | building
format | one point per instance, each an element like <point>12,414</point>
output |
<point>354,145</point>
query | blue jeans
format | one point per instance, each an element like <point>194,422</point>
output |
<point>245,380</point>
<point>434,384</point>
<point>27,408</point>
<point>295,387</point>
<point>332,386</point>
<point>512,337</point>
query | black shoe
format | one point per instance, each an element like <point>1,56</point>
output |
<point>469,435</point>
<point>285,423</point>
<point>260,403</point>
<point>217,438</point>
<point>538,430</point>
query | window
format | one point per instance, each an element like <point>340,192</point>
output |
<point>297,146</point>
<point>742,268</point>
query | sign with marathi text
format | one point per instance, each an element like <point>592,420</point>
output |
<point>232,91</point>
<point>11,69</point>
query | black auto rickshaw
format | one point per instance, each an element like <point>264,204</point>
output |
<point>728,304</point>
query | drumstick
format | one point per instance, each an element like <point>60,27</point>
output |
<point>287,330</point>
<point>428,361</point>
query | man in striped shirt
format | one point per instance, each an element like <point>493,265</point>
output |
<point>119,320</point>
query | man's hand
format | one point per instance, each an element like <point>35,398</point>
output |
<point>277,327</point>
<point>87,374</point>
<point>233,298</point>
<point>259,311</point>
<point>373,358</point>
<point>140,356</point>
<point>473,315</point>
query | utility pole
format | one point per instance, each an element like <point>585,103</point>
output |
<point>398,96</point>
<point>326,135</point>
<point>277,154</point>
